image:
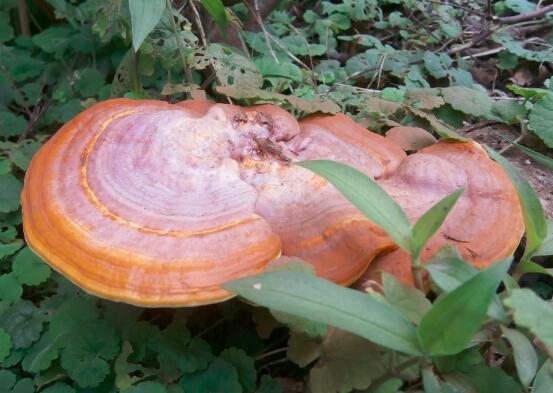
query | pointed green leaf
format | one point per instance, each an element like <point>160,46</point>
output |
<point>532,210</point>
<point>217,11</point>
<point>322,301</point>
<point>546,247</point>
<point>526,358</point>
<point>432,220</point>
<point>145,14</point>
<point>456,317</point>
<point>409,300</point>
<point>368,197</point>
<point>544,379</point>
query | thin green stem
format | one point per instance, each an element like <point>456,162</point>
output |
<point>186,69</point>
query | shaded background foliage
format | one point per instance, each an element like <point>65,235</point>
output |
<point>438,65</point>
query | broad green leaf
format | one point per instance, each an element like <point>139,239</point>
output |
<point>463,361</point>
<point>533,313</point>
<point>87,348</point>
<point>368,197</point>
<point>532,210</point>
<point>126,373</point>
<point>546,247</point>
<point>529,92</point>
<point>23,322</point>
<point>409,300</point>
<point>11,124</point>
<point>432,220</point>
<point>217,11</point>
<point>220,377</point>
<point>350,310</point>
<point>437,65</point>
<point>145,15</point>
<point>540,119</point>
<point>10,248</point>
<point>5,345</point>
<point>29,269</point>
<point>511,112</point>
<point>90,81</point>
<point>10,288</point>
<point>430,381</point>
<point>456,317</point>
<point>9,193</point>
<point>470,101</point>
<point>42,353</point>
<point>448,269</point>
<point>492,380</point>
<point>146,387</point>
<point>244,365</point>
<point>544,379</point>
<point>526,358</point>
<point>59,387</point>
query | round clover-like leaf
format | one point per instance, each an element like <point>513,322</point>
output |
<point>10,288</point>
<point>220,377</point>
<point>245,366</point>
<point>88,347</point>
<point>5,345</point>
<point>9,193</point>
<point>23,322</point>
<point>146,387</point>
<point>29,269</point>
<point>59,387</point>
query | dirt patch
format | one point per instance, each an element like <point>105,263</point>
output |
<point>538,176</point>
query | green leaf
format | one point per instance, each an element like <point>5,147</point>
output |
<point>245,365</point>
<point>10,248</point>
<point>127,374</point>
<point>9,193</point>
<point>59,387</point>
<point>220,377</point>
<point>29,269</point>
<point>72,312</point>
<point>544,379</point>
<point>524,354</point>
<point>347,362</point>
<point>529,92</point>
<point>11,124</point>
<point>87,348</point>
<point>463,361</point>
<point>145,15</point>
<point>53,39</point>
<point>532,210</point>
<point>546,247</point>
<point>368,197</point>
<point>540,119</point>
<point>5,345</point>
<point>432,220</point>
<point>42,353</point>
<point>23,322</point>
<point>533,313</point>
<point>469,101</point>
<point>430,381</point>
<point>269,385</point>
<point>410,301</point>
<point>21,156</point>
<point>538,157</point>
<point>146,387</point>
<point>90,82</point>
<point>448,269</point>
<point>437,65</point>
<point>300,294</point>
<point>511,112</point>
<point>492,380</point>
<point>10,288</point>
<point>456,317</point>
<point>217,11</point>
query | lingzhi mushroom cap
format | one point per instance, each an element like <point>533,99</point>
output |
<point>156,204</point>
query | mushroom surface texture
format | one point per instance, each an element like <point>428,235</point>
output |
<point>156,204</point>
<point>485,225</point>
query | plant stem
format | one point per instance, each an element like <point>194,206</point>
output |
<point>186,69</point>
<point>417,273</point>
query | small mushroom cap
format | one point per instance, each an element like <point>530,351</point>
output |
<point>485,225</point>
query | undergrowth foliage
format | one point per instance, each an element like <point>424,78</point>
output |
<point>385,62</point>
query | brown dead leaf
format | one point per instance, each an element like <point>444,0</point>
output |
<point>410,138</point>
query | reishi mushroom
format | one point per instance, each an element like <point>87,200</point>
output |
<point>156,204</point>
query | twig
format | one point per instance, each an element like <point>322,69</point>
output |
<point>259,20</point>
<point>186,69</point>
<point>199,23</point>
<point>462,7</point>
<point>528,16</point>
<point>23,17</point>
<point>479,126</point>
<point>270,353</point>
